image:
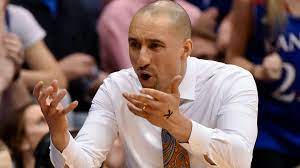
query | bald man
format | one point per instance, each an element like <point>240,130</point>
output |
<point>169,110</point>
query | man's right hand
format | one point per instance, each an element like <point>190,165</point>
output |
<point>55,114</point>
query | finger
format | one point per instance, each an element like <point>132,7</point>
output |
<point>45,93</point>
<point>70,107</point>
<point>133,101</point>
<point>54,84</point>
<point>12,42</point>
<point>13,48</point>
<point>16,56</point>
<point>141,100</point>
<point>11,35</point>
<point>137,111</point>
<point>54,104</point>
<point>37,89</point>
<point>156,94</point>
<point>12,39</point>
<point>175,84</point>
<point>43,98</point>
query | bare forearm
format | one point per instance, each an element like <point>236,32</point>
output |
<point>242,62</point>
<point>241,13</point>
<point>31,77</point>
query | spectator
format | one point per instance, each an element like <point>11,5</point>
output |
<point>13,93</point>
<point>25,33</point>
<point>223,6</point>
<point>22,131</point>
<point>266,42</point>
<point>215,24</point>
<point>72,38</point>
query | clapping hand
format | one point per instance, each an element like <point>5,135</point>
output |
<point>160,108</point>
<point>55,114</point>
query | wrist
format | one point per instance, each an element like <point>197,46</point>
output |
<point>60,140</point>
<point>180,127</point>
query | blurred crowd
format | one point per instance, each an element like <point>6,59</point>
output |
<point>80,42</point>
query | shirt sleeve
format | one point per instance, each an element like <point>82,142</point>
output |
<point>24,25</point>
<point>230,145</point>
<point>94,140</point>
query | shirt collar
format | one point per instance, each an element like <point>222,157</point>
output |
<point>187,85</point>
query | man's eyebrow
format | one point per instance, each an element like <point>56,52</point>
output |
<point>132,39</point>
<point>156,41</point>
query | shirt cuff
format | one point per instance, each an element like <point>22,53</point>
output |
<point>59,159</point>
<point>200,137</point>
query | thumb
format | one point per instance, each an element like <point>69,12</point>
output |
<point>175,84</point>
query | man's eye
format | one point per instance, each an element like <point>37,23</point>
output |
<point>154,46</point>
<point>134,44</point>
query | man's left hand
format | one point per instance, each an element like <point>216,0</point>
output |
<point>161,109</point>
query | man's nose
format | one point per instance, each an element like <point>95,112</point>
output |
<point>144,58</point>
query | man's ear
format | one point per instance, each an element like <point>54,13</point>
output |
<point>187,48</point>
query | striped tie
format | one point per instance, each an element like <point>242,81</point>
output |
<point>174,155</point>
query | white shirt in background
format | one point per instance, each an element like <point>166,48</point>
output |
<point>23,24</point>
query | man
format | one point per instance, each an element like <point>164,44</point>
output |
<point>169,110</point>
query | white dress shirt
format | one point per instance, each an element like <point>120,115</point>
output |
<point>221,100</point>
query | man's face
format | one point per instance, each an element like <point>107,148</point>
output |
<point>157,51</point>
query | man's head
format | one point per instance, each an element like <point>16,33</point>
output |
<point>159,43</point>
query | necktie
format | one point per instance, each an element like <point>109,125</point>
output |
<point>174,155</point>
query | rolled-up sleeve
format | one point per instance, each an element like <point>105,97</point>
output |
<point>231,143</point>
<point>94,140</point>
